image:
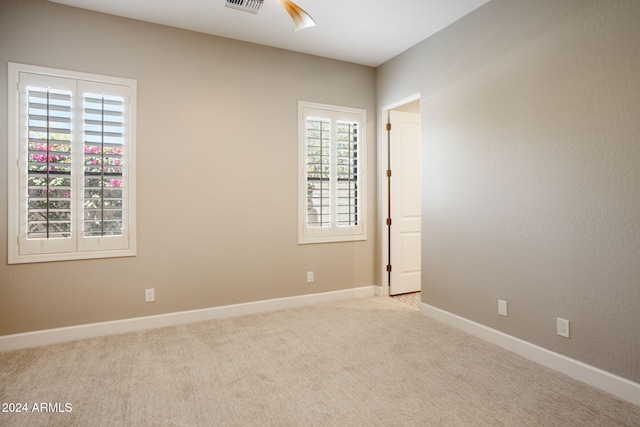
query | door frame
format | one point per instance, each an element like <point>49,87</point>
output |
<point>383,199</point>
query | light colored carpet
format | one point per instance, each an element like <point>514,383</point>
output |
<point>366,362</point>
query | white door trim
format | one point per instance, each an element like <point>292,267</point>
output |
<point>383,200</point>
<point>406,208</point>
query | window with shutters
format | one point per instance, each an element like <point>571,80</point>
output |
<point>332,193</point>
<point>71,165</point>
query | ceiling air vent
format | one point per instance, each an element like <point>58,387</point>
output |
<point>252,6</point>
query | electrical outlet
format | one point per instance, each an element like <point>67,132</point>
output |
<point>502,307</point>
<point>563,327</point>
<point>149,295</point>
<point>309,276</point>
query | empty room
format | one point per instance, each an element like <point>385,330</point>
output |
<point>261,212</point>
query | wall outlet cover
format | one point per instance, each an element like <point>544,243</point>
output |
<point>563,327</point>
<point>502,307</point>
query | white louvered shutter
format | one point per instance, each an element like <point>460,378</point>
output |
<point>46,211</point>
<point>348,178</point>
<point>73,186</point>
<point>105,178</point>
<point>331,178</point>
<point>318,164</point>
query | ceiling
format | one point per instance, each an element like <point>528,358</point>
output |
<point>367,32</point>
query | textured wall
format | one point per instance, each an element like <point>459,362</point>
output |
<point>531,182</point>
<point>217,170</point>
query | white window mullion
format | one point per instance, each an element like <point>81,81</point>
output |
<point>77,169</point>
<point>334,176</point>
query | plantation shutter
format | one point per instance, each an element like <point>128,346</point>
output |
<point>347,173</point>
<point>49,163</point>
<point>103,165</point>
<point>45,167</point>
<point>318,148</point>
<point>105,177</point>
<point>331,174</point>
<point>72,189</point>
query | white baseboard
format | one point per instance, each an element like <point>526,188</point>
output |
<point>620,387</point>
<point>73,333</point>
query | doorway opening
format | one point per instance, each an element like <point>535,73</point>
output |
<point>402,216</point>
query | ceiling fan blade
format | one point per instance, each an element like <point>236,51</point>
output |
<point>301,19</point>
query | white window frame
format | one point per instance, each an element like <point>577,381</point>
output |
<point>333,232</point>
<point>26,250</point>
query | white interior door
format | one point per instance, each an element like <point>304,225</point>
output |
<point>405,199</point>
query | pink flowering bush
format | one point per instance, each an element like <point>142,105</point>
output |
<point>49,183</point>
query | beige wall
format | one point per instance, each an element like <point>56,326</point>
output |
<point>217,170</point>
<point>531,185</point>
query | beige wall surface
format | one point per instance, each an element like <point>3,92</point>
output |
<point>217,170</point>
<point>531,182</point>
